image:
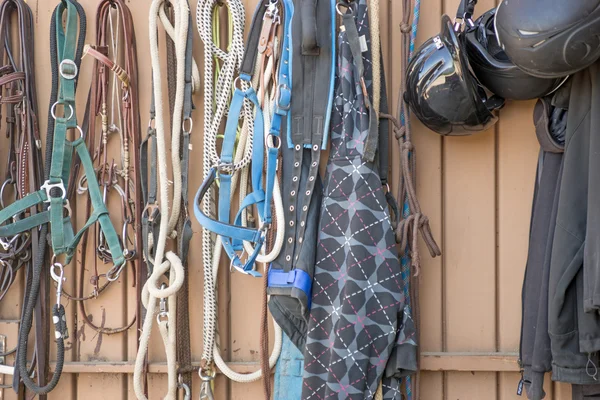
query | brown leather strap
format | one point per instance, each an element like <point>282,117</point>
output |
<point>108,172</point>
<point>120,72</point>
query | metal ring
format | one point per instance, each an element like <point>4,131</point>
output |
<point>239,79</point>
<point>226,168</point>
<point>6,182</point>
<point>80,188</point>
<point>80,131</point>
<point>343,4</point>
<point>270,142</point>
<point>53,110</point>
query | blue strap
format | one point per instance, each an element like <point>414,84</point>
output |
<point>233,235</point>
<point>296,278</point>
<point>288,372</point>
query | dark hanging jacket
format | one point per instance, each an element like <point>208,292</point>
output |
<point>535,356</point>
<point>574,333</point>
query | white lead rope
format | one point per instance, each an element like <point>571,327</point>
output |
<point>217,90</point>
<point>179,37</point>
<point>219,362</point>
<point>216,101</point>
<point>153,291</point>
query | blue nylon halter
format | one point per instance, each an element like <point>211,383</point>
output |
<point>233,235</point>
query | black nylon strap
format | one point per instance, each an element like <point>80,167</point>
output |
<point>251,51</point>
<point>308,17</point>
<point>384,130</point>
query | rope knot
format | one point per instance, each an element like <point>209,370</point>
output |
<point>399,132</point>
<point>404,27</point>
<point>408,146</point>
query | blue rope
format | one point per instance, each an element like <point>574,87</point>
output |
<point>415,24</point>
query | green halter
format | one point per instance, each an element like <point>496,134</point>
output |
<point>53,192</point>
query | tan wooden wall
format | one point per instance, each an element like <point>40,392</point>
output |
<point>477,192</point>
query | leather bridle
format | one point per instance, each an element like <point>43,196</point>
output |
<point>50,204</point>
<point>113,100</point>
<point>23,175</point>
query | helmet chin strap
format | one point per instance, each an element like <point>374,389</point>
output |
<point>464,13</point>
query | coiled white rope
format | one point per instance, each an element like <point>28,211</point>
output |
<point>219,362</point>
<point>217,96</point>
<point>178,34</point>
<point>217,89</point>
<point>152,291</point>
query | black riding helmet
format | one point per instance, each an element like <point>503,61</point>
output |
<point>495,70</point>
<point>550,38</point>
<point>441,91</point>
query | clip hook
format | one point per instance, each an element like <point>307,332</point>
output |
<point>58,278</point>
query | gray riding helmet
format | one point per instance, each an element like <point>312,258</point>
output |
<point>549,38</point>
<point>495,70</point>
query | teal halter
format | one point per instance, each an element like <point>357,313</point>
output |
<point>53,193</point>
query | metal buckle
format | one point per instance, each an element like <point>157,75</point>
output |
<point>264,229</point>
<point>66,206</point>
<point>272,9</point>
<point>278,103</point>
<point>189,122</point>
<point>69,76</point>
<point>47,186</point>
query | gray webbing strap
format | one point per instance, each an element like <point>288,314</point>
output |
<point>371,142</point>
